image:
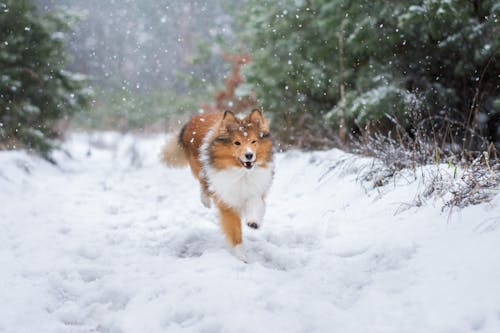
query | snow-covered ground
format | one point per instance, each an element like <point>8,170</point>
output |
<point>112,241</point>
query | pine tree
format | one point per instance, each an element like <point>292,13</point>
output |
<point>434,58</point>
<point>35,89</point>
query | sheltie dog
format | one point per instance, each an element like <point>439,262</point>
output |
<point>232,159</point>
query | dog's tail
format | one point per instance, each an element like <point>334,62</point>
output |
<point>173,153</point>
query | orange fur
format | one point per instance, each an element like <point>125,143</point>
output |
<point>173,154</point>
<point>231,223</point>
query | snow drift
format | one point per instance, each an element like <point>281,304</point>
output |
<point>110,240</point>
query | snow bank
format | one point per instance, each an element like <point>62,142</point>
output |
<point>111,241</point>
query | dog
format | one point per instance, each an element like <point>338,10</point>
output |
<point>232,157</point>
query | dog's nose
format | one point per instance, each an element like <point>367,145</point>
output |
<point>248,156</point>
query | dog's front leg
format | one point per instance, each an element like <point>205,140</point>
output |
<point>254,212</point>
<point>231,225</point>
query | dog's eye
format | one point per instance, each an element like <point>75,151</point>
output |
<point>254,142</point>
<point>237,143</point>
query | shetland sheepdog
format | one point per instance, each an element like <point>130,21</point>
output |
<point>232,159</point>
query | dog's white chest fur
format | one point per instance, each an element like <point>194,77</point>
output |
<point>237,186</point>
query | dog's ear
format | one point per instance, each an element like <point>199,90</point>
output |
<point>257,117</point>
<point>229,121</point>
<point>228,115</point>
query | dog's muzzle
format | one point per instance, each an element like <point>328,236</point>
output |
<point>247,164</point>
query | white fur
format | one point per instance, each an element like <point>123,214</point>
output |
<point>204,157</point>
<point>254,210</point>
<point>205,199</point>
<point>240,188</point>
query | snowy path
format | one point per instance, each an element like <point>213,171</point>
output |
<point>115,242</point>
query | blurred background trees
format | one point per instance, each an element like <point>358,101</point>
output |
<point>35,88</point>
<point>150,62</point>
<point>425,70</point>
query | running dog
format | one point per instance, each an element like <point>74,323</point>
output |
<point>232,159</point>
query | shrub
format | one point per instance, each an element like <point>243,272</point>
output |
<point>436,57</point>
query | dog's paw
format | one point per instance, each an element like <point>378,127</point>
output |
<point>239,252</point>
<point>253,225</point>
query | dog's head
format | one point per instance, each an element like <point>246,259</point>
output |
<point>242,143</point>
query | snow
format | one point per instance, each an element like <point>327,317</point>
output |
<point>112,241</point>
